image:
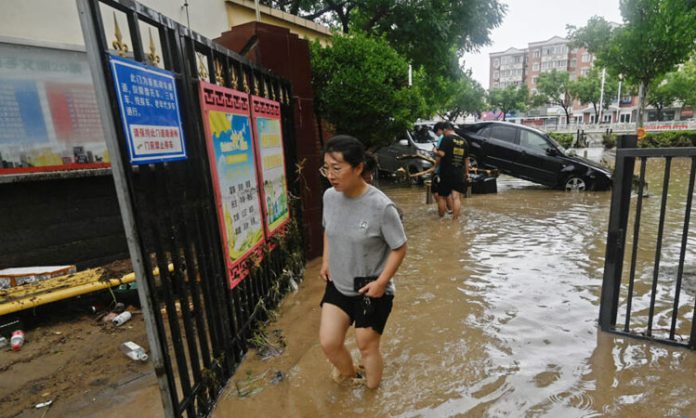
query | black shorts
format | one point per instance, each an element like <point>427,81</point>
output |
<point>353,306</point>
<point>449,182</point>
<point>435,184</point>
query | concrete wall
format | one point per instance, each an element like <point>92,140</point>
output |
<point>60,221</point>
<point>57,20</point>
<point>240,12</point>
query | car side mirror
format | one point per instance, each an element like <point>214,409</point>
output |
<point>403,142</point>
<point>552,152</point>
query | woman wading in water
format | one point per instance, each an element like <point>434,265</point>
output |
<point>364,244</point>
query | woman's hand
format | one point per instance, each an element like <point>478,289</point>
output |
<point>374,289</point>
<point>324,271</point>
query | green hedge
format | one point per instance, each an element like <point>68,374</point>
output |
<point>609,140</point>
<point>668,139</point>
<point>565,140</point>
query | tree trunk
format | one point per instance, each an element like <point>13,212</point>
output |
<point>642,92</point>
<point>596,113</point>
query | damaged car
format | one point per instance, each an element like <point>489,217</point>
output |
<point>530,154</point>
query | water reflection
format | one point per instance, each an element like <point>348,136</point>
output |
<point>496,315</point>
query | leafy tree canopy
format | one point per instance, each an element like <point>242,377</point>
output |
<point>588,89</point>
<point>509,99</point>
<point>430,33</point>
<point>451,98</point>
<point>361,87</point>
<point>554,88</point>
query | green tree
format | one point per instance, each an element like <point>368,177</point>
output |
<point>662,93</point>
<point>655,37</point>
<point>588,89</point>
<point>554,88</point>
<point>684,82</point>
<point>430,33</point>
<point>461,97</point>
<point>361,87</point>
<point>509,99</point>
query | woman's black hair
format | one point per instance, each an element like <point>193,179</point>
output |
<point>352,150</point>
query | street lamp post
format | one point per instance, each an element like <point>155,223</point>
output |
<point>618,99</point>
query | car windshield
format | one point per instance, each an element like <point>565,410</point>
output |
<point>423,135</point>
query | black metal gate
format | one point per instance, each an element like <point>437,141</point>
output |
<point>641,296</point>
<point>197,327</point>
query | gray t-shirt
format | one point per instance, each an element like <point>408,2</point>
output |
<point>362,231</point>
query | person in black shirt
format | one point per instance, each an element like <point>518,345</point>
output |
<point>453,160</point>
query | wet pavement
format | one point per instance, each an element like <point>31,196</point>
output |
<point>496,315</point>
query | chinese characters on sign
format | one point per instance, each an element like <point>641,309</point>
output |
<point>150,112</point>
<point>233,164</point>
<point>266,115</point>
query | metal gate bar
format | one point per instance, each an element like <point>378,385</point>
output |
<point>658,245</point>
<point>198,328</point>
<point>616,237</point>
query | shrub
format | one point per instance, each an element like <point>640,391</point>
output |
<point>609,140</point>
<point>566,140</point>
<point>668,139</point>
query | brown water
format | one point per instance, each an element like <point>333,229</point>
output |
<point>496,315</point>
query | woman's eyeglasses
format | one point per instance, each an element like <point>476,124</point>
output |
<point>324,171</point>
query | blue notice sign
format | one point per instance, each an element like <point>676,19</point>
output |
<point>149,112</point>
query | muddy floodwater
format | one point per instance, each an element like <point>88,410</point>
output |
<point>496,315</point>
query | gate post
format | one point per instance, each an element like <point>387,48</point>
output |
<point>616,237</point>
<point>95,55</point>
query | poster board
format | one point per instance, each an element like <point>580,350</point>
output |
<point>49,118</point>
<point>233,166</point>
<point>268,132</point>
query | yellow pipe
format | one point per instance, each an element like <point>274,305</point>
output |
<point>30,300</point>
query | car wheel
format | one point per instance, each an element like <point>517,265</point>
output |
<point>575,183</point>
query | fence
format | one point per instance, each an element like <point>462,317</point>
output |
<point>198,324</point>
<point>665,313</point>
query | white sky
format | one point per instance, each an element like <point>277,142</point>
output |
<point>537,20</point>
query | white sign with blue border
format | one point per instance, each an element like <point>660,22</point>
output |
<point>150,112</point>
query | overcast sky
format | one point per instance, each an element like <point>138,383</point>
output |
<point>537,20</point>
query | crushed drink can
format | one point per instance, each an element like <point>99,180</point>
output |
<point>122,318</point>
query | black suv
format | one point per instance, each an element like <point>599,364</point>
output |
<point>530,154</point>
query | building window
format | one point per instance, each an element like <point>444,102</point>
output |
<point>573,76</point>
<point>573,63</point>
<point>534,80</point>
<point>496,74</point>
<point>535,66</point>
<point>536,53</point>
<point>585,71</point>
<point>496,63</point>
<point>585,57</point>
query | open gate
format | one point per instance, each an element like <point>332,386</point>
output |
<point>650,295</point>
<point>199,312</point>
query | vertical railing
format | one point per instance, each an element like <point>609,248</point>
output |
<point>616,238</point>
<point>198,329</point>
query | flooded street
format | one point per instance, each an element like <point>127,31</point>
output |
<point>496,315</point>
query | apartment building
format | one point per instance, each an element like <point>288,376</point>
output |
<point>508,68</point>
<point>523,66</point>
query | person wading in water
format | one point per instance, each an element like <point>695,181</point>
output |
<point>364,245</point>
